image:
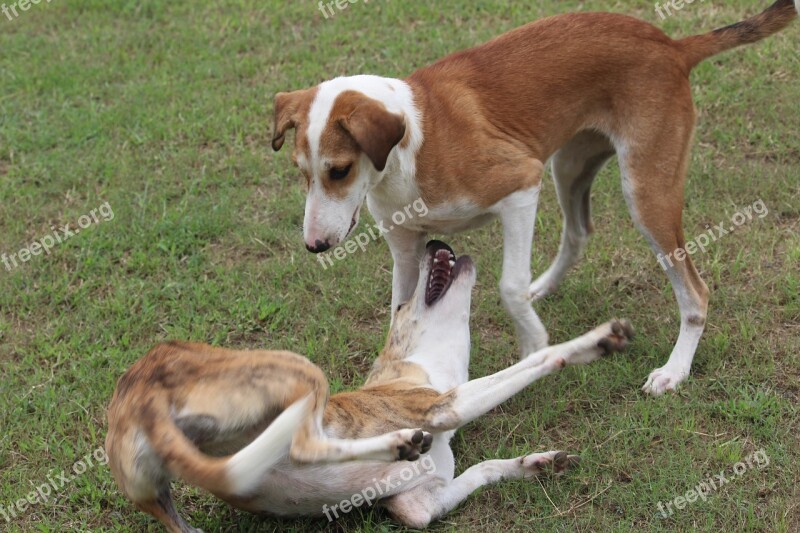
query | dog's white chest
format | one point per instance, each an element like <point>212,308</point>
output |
<point>449,217</point>
<point>449,225</point>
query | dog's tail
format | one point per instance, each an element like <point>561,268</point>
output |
<point>776,17</point>
<point>235,475</point>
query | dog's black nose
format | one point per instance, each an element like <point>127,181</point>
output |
<point>318,247</point>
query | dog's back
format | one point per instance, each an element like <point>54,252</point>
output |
<point>580,62</point>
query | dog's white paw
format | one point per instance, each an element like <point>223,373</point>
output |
<point>664,379</point>
<point>555,462</point>
<point>543,286</point>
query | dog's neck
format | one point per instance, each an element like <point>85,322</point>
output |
<point>419,353</point>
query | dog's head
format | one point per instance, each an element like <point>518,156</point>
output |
<point>344,135</point>
<point>437,315</point>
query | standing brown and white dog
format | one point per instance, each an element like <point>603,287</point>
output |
<point>183,409</point>
<point>470,135</point>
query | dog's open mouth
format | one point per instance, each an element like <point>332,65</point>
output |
<point>444,268</point>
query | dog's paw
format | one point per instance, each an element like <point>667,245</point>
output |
<point>621,332</point>
<point>611,337</point>
<point>542,287</point>
<point>664,379</point>
<point>413,443</point>
<point>556,462</point>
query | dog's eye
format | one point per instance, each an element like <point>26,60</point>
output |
<point>340,173</point>
<point>399,307</point>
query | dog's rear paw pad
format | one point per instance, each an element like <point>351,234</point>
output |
<point>563,462</point>
<point>621,333</point>
<point>427,442</point>
<point>419,442</point>
<point>550,463</point>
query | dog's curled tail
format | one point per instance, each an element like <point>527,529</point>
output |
<point>234,475</point>
<point>775,18</point>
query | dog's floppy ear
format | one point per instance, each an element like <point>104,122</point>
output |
<point>375,129</point>
<point>285,109</point>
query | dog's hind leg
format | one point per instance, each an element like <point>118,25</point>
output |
<point>418,507</point>
<point>575,166</point>
<point>301,423</point>
<point>163,508</point>
<point>311,445</point>
<point>653,174</point>
<point>141,475</point>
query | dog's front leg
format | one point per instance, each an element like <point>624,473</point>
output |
<point>407,248</point>
<point>517,212</point>
<point>467,402</point>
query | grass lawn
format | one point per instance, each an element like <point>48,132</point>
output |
<point>163,110</point>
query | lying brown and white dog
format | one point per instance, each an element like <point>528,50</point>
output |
<point>471,134</point>
<point>254,428</point>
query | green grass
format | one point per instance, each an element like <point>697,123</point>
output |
<point>163,109</point>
